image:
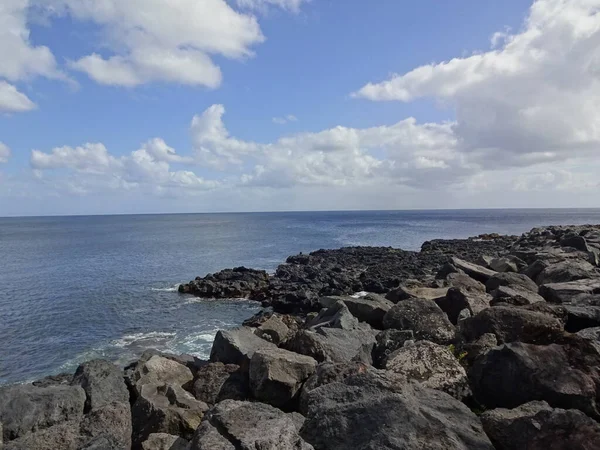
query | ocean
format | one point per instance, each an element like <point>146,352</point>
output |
<point>84,287</point>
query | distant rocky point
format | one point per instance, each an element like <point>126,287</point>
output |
<point>481,343</point>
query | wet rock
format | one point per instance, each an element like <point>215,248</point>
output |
<point>566,271</point>
<point>456,300</point>
<point>366,411</point>
<point>163,441</point>
<point>537,426</point>
<point>512,325</point>
<point>389,341</point>
<point>515,281</point>
<point>237,346</point>
<point>276,375</point>
<point>163,408</point>
<point>232,425</point>
<point>334,344</point>
<point>369,309</point>
<point>565,292</point>
<point>273,330</point>
<point>565,376</point>
<point>217,382</point>
<point>423,317</point>
<point>431,365</point>
<point>102,382</point>
<point>476,272</point>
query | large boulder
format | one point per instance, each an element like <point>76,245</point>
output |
<point>164,441</point>
<point>64,436</point>
<point>230,283</point>
<point>216,382</point>
<point>512,280</point>
<point>370,308</point>
<point>565,376</point>
<point>237,346</point>
<point>537,426</point>
<point>566,292</point>
<point>506,264</point>
<point>159,370</point>
<point>431,365</point>
<point>365,410</point>
<point>335,316</point>
<point>423,317</point>
<point>464,283</point>
<point>102,382</point>
<point>232,425</point>
<point>388,341</point>
<point>164,408</point>
<point>515,296</point>
<point>407,291</point>
<point>276,375</point>
<point>334,344</point>
<point>510,324</point>
<point>107,427</point>
<point>274,330</point>
<point>476,272</point>
<point>28,409</point>
<point>457,300</point>
<point>566,271</point>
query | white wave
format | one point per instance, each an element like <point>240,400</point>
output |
<point>129,339</point>
<point>166,289</point>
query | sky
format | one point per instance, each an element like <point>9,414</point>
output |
<point>151,106</point>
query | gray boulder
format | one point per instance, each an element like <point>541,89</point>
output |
<point>535,268</point>
<point>464,283</point>
<point>565,376</point>
<point>366,411</point>
<point>407,291</point>
<point>504,264</point>
<point>64,436</point>
<point>107,427</point>
<point>513,324</point>
<point>515,297</point>
<point>575,241</point>
<point>566,271</point>
<point>335,316</point>
<point>159,370</point>
<point>369,309</point>
<point>511,280</point>
<point>102,382</point>
<point>273,330</point>
<point>476,272</point>
<point>276,375</point>
<point>389,341</point>
<point>216,382</point>
<point>457,300</point>
<point>237,346</point>
<point>423,317</point>
<point>431,365</point>
<point>234,425</point>
<point>163,441</point>
<point>537,426</point>
<point>566,292</point>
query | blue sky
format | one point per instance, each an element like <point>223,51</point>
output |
<point>311,61</point>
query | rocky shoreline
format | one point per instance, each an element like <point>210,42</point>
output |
<point>482,343</point>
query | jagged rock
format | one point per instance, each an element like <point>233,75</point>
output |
<point>575,241</point>
<point>237,346</point>
<point>230,283</point>
<point>512,325</point>
<point>389,341</point>
<point>537,426</point>
<point>465,283</point>
<point>431,365</point>
<point>473,270</point>
<point>516,297</point>
<point>216,382</point>
<point>27,408</point>
<point>336,316</point>
<point>273,330</point>
<point>163,441</point>
<point>63,436</point>
<point>480,346</point>
<point>276,375</point>
<point>407,291</point>
<point>535,268</point>
<point>102,382</point>
<point>484,261</point>
<point>565,292</point>
<point>334,344</point>
<point>107,427</point>
<point>565,376</point>
<point>457,300</point>
<point>159,370</point>
<point>504,264</point>
<point>512,280</point>
<point>369,309</point>
<point>366,410</point>
<point>566,271</point>
<point>163,408</point>
<point>446,270</point>
<point>232,425</point>
<point>423,317</point>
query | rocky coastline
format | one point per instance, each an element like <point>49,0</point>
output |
<point>490,342</point>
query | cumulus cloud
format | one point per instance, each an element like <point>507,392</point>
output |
<point>291,5</point>
<point>4,152</point>
<point>529,101</point>
<point>162,40</point>
<point>11,100</point>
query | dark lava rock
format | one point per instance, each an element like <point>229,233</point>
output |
<point>512,280</point>
<point>537,426</point>
<point>237,346</point>
<point>475,271</point>
<point>216,382</point>
<point>369,309</point>
<point>566,271</point>
<point>229,283</point>
<point>102,382</point>
<point>565,292</point>
<point>423,317</point>
<point>457,300</point>
<point>389,341</point>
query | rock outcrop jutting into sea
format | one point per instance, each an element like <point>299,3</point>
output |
<point>482,343</point>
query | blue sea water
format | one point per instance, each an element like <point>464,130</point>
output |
<point>76,288</point>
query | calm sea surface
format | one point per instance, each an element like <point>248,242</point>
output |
<point>76,288</point>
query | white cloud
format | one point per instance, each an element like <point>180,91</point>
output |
<point>11,100</point>
<point>531,101</point>
<point>161,40</point>
<point>285,119</point>
<point>291,5</point>
<point>4,152</point>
